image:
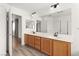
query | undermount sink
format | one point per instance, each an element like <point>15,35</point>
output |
<point>61,36</point>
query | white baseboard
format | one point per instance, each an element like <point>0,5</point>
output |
<point>2,54</point>
<point>75,53</point>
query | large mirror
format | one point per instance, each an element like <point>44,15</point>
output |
<point>56,22</point>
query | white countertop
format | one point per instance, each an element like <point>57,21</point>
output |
<point>61,37</point>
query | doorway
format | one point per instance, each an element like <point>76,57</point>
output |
<point>7,34</point>
<point>16,31</point>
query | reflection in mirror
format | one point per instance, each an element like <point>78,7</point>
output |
<point>38,26</point>
<point>30,24</point>
<point>56,22</point>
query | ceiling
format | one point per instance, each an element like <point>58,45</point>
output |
<point>31,7</point>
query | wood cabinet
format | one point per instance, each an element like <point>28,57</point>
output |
<point>37,42</point>
<point>69,48</point>
<point>46,45</point>
<point>61,48</point>
<point>26,39</point>
<point>31,40</point>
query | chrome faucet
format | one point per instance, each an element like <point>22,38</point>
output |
<point>56,34</point>
<point>33,32</point>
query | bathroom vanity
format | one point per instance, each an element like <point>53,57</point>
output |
<point>44,39</point>
<point>48,44</point>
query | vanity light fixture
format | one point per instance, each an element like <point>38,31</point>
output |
<point>55,5</point>
<point>33,13</point>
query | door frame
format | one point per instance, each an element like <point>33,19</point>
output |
<point>7,34</point>
<point>12,28</point>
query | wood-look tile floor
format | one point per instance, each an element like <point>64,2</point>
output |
<point>16,42</point>
<point>27,51</point>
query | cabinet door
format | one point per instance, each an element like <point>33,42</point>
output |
<point>69,48</point>
<point>60,48</point>
<point>37,42</point>
<point>31,40</point>
<point>26,39</point>
<point>45,45</point>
